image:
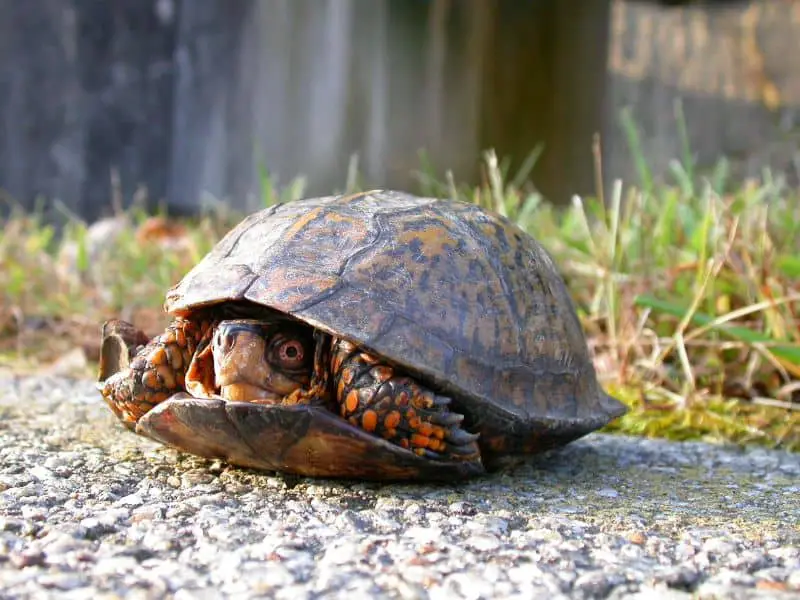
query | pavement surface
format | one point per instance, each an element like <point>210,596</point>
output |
<point>89,510</point>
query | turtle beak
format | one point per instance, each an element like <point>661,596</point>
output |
<point>241,370</point>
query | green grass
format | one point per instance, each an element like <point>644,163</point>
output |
<point>689,290</point>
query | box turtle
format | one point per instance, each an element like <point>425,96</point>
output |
<point>377,336</point>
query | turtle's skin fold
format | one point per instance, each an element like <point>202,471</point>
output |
<point>377,336</point>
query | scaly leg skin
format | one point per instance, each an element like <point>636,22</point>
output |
<point>395,407</point>
<point>156,372</point>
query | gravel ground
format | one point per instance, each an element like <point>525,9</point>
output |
<point>88,510</point>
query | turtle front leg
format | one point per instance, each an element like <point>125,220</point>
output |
<point>372,396</point>
<point>133,377</point>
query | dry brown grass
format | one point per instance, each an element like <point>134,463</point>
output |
<point>690,295</point>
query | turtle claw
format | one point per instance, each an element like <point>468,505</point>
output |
<point>459,437</point>
<point>441,401</point>
<point>445,419</point>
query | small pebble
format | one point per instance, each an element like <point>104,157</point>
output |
<point>483,543</point>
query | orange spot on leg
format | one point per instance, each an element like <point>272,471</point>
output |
<point>419,441</point>
<point>166,375</point>
<point>337,362</point>
<point>382,373</point>
<point>340,388</point>
<point>351,402</point>
<point>347,376</point>
<point>392,420</point>
<point>413,420</point>
<point>369,421</point>
<point>150,379</point>
<point>158,357</point>
<point>435,445</point>
<point>158,398</point>
<point>425,429</point>
<point>368,359</point>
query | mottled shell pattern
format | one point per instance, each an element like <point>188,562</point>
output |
<point>453,293</point>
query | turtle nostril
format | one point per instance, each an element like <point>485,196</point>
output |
<point>225,340</point>
<point>228,341</point>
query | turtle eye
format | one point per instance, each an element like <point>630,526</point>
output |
<point>291,353</point>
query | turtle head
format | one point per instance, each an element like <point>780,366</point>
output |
<point>249,360</point>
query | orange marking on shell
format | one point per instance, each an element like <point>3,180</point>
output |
<point>351,402</point>
<point>354,196</point>
<point>382,373</point>
<point>392,420</point>
<point>419,441</point>
<point>158,356</point>
<point>369,421</point>
<point>301,222</point>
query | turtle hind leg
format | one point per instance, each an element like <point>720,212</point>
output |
<point>373,397</point>
<point>134,377</point>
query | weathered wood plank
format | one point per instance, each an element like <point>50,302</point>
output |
<point>188,98</point>
<point>734,67</point>
<point>86,87</point>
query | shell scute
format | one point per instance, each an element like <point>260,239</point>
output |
<point>290,288</point>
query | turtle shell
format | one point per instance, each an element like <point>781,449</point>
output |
<point>457,295</point>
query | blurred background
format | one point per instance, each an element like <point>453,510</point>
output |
<point>191,100</point>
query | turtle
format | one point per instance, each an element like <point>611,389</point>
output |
<point>377,336</point>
